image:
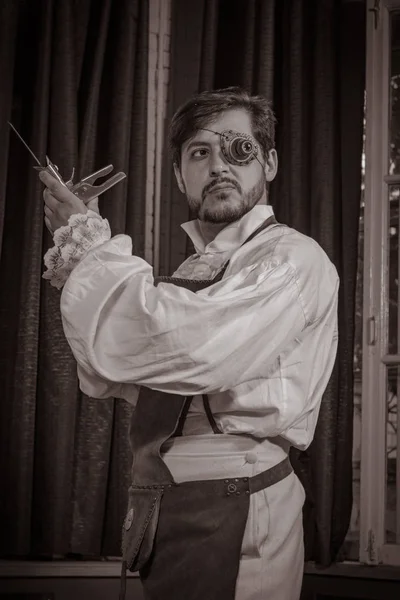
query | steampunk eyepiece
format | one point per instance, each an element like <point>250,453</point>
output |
<point>238,148</point>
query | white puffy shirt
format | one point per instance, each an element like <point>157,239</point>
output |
<point>261,342</point>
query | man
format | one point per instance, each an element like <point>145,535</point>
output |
<point>226,361</point>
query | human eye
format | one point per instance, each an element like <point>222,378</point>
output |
<point>199,153</point>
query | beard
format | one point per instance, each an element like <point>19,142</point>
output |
<point>220,207</point>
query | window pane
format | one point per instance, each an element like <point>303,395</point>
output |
<point>393,373</point>
<point>393,249</point>
<point>394,129</point>
<point>392,525</point>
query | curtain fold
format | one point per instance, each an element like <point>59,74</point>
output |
<point>75,86</point>
<point>308,58</point>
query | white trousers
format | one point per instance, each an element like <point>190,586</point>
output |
<point>272,559</point>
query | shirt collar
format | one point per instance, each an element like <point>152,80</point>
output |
<point>232,236</point>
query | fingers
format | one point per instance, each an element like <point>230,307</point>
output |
<point>49,200</point>
<point>59,191</point>
<point>60,202</point>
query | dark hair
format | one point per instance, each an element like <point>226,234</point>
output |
<point>202,109</point>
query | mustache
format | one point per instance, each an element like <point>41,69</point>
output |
<point>213,184</point>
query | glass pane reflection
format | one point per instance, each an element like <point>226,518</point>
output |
<point>393,249</point>
<point>394,94</point>
<point>392,521</point>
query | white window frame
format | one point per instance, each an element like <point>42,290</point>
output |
<point>373,547</point>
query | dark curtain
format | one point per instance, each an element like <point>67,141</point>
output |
<point>74,83</point>
<point>307,57</point>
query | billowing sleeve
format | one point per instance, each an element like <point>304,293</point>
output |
<point>126,332</point>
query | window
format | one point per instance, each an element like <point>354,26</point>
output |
<point>379,508</point>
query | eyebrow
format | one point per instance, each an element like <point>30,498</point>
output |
<point>194,143</point>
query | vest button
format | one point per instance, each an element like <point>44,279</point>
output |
<point>251,458</point>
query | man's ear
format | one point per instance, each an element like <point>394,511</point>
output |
<point>271,165</point>
<point>179,179</point>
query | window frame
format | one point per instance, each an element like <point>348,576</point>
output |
<point>373,547</point>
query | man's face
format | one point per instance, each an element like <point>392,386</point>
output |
<point>218,191</point>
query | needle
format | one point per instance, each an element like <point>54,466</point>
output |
<point>52,169</point>
<point>25,144</point>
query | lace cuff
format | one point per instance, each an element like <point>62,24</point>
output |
<point>71,242</point>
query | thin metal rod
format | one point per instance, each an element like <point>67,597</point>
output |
<point>25,144</point>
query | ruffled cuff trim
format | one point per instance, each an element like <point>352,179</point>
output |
<point>71,242</point>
